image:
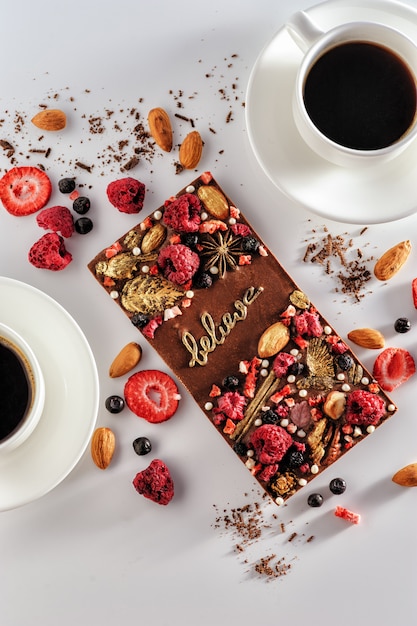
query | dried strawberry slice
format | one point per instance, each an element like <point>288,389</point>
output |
<point>152,394</point>
<point>24,190</point>
<point>414,292</point>
<point>393,367</point>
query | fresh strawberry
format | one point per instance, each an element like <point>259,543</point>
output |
<point>56,218</point>
<point>152,394</point>
<point>393,367</point>
<point>414,292</point>
<point>24,190</point>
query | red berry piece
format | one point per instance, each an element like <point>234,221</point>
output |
<point>414,292</point>
<point>152,394</point>
<point>126,194</point>
<point>49,253</point>
<point>349,516</point>
<point>393,367</point>
<point>183,213</point>
<point>58,219</point>
<point>178,263</point>
<point>155,482</point>
<point>24,190</point>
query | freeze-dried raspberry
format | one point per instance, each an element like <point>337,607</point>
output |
<point>308,323</point>
<point>232,405</point>
<point>126,194</point>
<point>270,443</point>
<point>281,364</point>
<point>178,263</point>
<point>49,253</point>
<point>183,213</point>
<point>56,218</point>
<point>363,407</point>
<point>155,482</point>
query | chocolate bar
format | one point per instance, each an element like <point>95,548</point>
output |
<point>272,375</point>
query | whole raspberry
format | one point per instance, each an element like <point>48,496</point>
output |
<point>270,443</point>
<point>155,482</point>
<point>183,214</point>
<point>364,408</point>
<point>126,194</point>
<point>308,324</point>
<point>178,263</point>
<point>58,219</point>
<point>49,253</point>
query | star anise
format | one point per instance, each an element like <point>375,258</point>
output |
<point>223,251</point>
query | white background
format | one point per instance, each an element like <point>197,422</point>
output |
<point>92,551</point>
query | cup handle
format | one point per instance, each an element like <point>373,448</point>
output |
<point>303,30</point>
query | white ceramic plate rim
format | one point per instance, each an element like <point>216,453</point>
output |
<point>52,451</point>
<point>372,195</point>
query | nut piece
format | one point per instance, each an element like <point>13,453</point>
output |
<point>367,338</point>
<point>190,150</point>
<point>392,260</point>
<point>214,201</point>
<point>153,238</point>
<point>273,339</point>
<point>50,119</point>
<point>126,360</point>
<point>407,476</point>
<point>160,128</point>
<point>335,404</point>
<point>103,444</point>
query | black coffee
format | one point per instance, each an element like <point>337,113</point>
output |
<point>361,96</point>
<point>14,390</point>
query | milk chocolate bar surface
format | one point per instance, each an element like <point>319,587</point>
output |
<point>271,374</point>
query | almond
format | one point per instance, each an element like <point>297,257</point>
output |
<point>160,128</point>
<point>50,119</point>
<point>103,444</point>
<point>214,201</point>
<point>407,476</point>
<point>153,238</point>
<point>190,150</point>
<point>126,360</point>
<point>273,339</point>
<point>392,260</point>
<point>367,338</point>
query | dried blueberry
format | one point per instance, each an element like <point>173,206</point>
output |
<point>337,486</point>
<point>402,325</point>
<point>142,446</point>
<point>231,382</point>
<point>203,281</point>
<point>66,185</point>
<point>190,240</point>
<point>250,244</point>
<point>344,361</point>
<point>315,499</point>
<point>139,320</point>
<point>83,225</point>
<point>296,368</point>
<point>81,205</point>
<point>295,459</point>
<point>240,448</point>
<point>115,404</point>
<point>269,417</point>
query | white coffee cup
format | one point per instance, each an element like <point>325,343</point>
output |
<point>23,389</point>
<point>315,44</point>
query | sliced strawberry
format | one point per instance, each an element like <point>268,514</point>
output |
<point>393,367</point>
<point>414,292</point>
<point>24,190</point>
<point>152,394</point>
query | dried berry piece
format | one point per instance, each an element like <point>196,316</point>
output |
<point>58,219</point>
<point>402,325</point>
<point>349,516</point>
<point>393,367</point>
<point>49,253</point>
<point>142,446</point>
<point>24,190</point>
<point>155,482</point>
<point>337,486</point>
<point>152,394</point>
<point>315,500</point>
<point>114,404</point>
<point>126,194</point>
<point>66,185</point>
<point>81,205</point>
<point>83,225</point>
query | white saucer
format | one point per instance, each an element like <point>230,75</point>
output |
<point>367,196</point>
<point>72,395</point>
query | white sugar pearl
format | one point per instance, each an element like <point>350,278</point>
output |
<point>294,352</point>
<point>190,294</point>
<point>250,453</point>
<point>345,387</point>
<point>136,251</point>
<point>314,469</point>
<point>279,501</point>
<point>302,393</point>
<point>391,408</point>
<point>370,429</point>
<point>250,463</point>
<point>341,376</point>
<point>302,482</point>
<point>265,363</point>
<point>157,215</point>
<point>301,433</point>
<point>214,270</point>
<point>208,406</point>
<point>291,378</point>
<point>327,330</point>
<point>190,189</point>
<point>365,380</point>
<point>284,423</point>
<point>258,422</point>
<point>145,269</point>
<point>114,295</point>
<point>264,373</point>
<point>203,216</point>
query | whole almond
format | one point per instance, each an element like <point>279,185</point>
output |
<point>126,360</point>
<point>190,150</point>
<point>50,119</point>
<point>103,444</point>
<point>160,128</point>
<point>367,338</point>
<point>214,201</point>
<point>273,339</point>
<point>407,476</point>
<point>392,260</point>
<point>153,238</point>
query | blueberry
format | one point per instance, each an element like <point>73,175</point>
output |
<point>114,404</point>
<point>315,499</point>
<point>231,382</point>
<point>83,225</point>
<point>203,281</point>
<point>344,361</point>
<point>402,325</point>
<point>81,205</point>
<point>337,486</point>
<point>190,240</point>
<point>139,320</point>
<point>142,446</point>
<point>296,459</point>
<point>240,448</point>
<point>66,185</point>
<point>250,244</point>
<point>296,368</point>
<point>269,417</point>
